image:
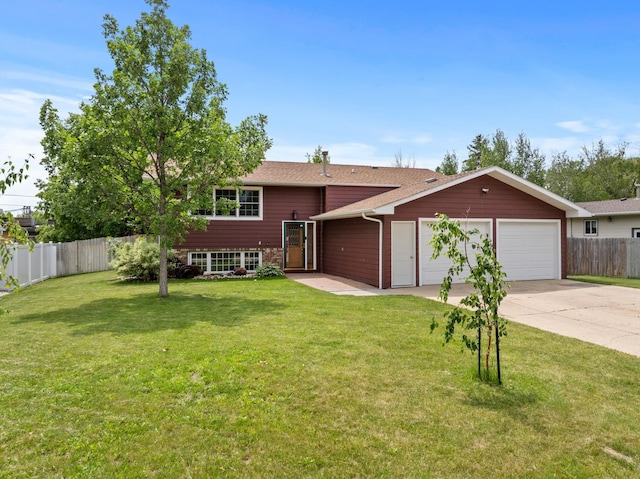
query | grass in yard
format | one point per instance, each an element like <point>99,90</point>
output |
<point>626,282</point>
<point>102,379</point>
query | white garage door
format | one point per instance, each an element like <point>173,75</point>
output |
<point>529,249</point>
<point>432,271</point>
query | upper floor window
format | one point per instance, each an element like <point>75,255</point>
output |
<point>591,227</point>
<point>232,203</point>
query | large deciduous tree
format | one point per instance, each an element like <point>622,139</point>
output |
<point>598,173</point>
<point>153,138</point>
<point>79,206</point>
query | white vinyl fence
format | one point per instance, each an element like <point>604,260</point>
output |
<point>59,259</point>
<point>29,267</point>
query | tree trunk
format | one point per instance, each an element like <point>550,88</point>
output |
<point>163,278</point>
<point>488,352</point>
<point>498,348</point>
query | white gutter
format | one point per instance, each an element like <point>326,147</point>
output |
<point>375,220</point>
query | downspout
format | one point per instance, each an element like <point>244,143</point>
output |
<point>376,220</point>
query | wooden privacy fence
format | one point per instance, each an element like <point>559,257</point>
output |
<point>615,257</point>
<point>85,256</point>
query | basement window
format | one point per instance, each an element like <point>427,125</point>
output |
<point>591,227</point>
<point>222,262</point>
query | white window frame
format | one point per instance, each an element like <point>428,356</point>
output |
<point>635,232</point>
<point>235,214</point>
<point>208,257</point>
<point>593,223</point>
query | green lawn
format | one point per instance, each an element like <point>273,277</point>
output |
<point>272,379</point>
<point>626,282</point>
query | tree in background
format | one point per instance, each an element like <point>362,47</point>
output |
<point>316,157</point>
<point>527,162</point>
<point>153,138</point>
<point>497,151</point>
<point>567,177</point>
<point>399,161</point>
<point>477,151</point>
<point>518,158</point>
<point>609,173</point>
<point>449,165</point>
<point>78,206</point>
<point>598,173</point>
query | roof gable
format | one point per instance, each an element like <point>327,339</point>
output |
<point>409,184</point>
<point>385,203</point>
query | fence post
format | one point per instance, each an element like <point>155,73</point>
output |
<point>41,260</point>
<point>14,262</point>
<point>53,251</point>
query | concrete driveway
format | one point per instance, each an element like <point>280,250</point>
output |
<point>604,315</point>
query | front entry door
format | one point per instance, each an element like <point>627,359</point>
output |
<point>294,245</point>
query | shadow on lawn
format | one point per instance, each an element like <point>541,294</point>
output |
<point>145,313</point>
<point>517,404</point>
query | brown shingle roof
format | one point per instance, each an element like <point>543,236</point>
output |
<point>409,184</point>
<point>310,174</point>
<point>390,197</point>
<point>621,206</point>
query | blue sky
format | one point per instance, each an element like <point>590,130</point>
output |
<point>365,80</point>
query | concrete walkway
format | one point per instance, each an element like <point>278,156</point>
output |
<point>604,315</point>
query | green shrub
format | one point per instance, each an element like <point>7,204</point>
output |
<point>268,271</point>
<point>139,260</point>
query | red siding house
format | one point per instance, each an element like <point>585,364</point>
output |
<point>371,224</point>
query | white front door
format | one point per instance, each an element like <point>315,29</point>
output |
<point>403,254</point>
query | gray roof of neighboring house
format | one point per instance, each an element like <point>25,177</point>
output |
<point>623,206</point>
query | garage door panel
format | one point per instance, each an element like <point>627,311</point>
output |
<point>529,250</point>
<point>434,270</point>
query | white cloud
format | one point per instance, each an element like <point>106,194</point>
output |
<point>574,126</point>
<point>20,136</point>
<point>416,140</point>
<point>549,146</point>
<point>46,78</point>
<point>22,107</point>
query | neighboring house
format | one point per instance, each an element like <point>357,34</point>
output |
<point>371,224</point>
<point>28,223</point>
<point>611,219</point>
